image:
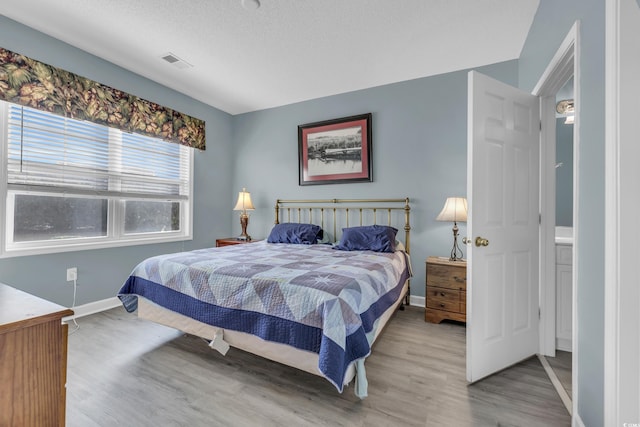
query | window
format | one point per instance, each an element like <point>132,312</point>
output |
<point>72,184</point>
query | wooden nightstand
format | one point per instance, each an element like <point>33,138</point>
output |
<point>227,241</point>
<point>446,296</point>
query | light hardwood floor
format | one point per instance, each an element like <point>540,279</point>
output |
<point>123,371</point>
<point>561,365</point>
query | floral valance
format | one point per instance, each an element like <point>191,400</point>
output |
<point>34,84</point>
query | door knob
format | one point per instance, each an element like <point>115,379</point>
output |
<point>481,241</point>
<point>466,240</point>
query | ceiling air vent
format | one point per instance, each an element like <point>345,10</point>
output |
<point>175,61</point>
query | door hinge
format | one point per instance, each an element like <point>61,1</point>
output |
<point>540,124</point>
<point>539,218</point>
<point>539,314</point>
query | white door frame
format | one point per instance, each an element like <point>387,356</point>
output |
<point>564,64</point>
<point>622,296</point>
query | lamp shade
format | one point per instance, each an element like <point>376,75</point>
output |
<point>455,210</point>
<point>244,201</point>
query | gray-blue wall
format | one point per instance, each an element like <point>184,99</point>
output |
<point>419,151</point>
<point>551,24</point>
<point>102,272</point>
<point>564,173</point>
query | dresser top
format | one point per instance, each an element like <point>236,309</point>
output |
<point>445,261</point>
<point>20,309</point>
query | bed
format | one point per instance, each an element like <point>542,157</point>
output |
<point>314,295</point>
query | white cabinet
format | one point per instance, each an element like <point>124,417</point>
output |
<point>564,312</point>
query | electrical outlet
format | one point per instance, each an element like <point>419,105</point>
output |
<point>72,274</point>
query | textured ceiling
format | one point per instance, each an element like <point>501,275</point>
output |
<point>286,51</point>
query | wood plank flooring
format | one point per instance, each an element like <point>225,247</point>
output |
<point>123,371</point>
<point>561,365</point>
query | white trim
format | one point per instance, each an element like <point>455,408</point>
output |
<point>89,245</point>
<point>577,96</point>
<point>577,421</point>
<point>565,63</point>
<point>561,67</point>
<point>187,217</point>
<point>3,176</point>
<point>547,226</point>
<point>93,307</point>
<point>563,344</point>
<point>622,201</point>
<point>564,396</point>
<point>611,289</point>
<point>417,301</point>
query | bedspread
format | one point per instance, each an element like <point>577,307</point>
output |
<point>312,297</point>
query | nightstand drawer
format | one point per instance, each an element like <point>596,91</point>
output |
<point>447,276</point>
<point>443,299</point>
<point>446,296</point>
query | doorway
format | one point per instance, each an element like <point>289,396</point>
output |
<point>565,115</point>
<point>506,129</point>
<point>558,328</point>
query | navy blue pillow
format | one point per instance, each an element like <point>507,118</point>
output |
<point>291,232</point>
<point>378,238</point>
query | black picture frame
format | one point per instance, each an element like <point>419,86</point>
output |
<point>336,151</point>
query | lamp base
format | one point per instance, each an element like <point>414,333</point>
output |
<point>244,221</point>
<point>456,249</point>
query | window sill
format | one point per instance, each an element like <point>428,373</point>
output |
<point>83,246</point>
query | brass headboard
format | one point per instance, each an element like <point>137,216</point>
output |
<point>332,213</point>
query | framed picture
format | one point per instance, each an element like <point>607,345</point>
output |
<point>335,151</point>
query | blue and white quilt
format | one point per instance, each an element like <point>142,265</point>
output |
<point>311,297</point>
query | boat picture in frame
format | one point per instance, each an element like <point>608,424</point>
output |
<point>335,151</point>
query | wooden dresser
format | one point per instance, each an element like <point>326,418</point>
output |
<point>33,360</point>
<point>446,296</point>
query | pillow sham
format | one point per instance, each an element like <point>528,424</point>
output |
<point>378,238</point>
<point>292,232</point>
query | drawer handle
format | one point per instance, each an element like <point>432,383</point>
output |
<point>458,279</point>
<point>442,294</point>
<point>442,305</point>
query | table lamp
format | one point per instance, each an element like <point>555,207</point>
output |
<point>455,209</point>
<point>244,204</point>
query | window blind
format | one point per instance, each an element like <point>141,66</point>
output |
<point>52,153</point>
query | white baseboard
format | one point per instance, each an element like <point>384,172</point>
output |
<point>564,344</point>
<point>93,307</point>
<point>417,301</point>
<point>564,396</point>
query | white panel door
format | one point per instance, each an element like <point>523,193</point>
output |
<point>503,199</point>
